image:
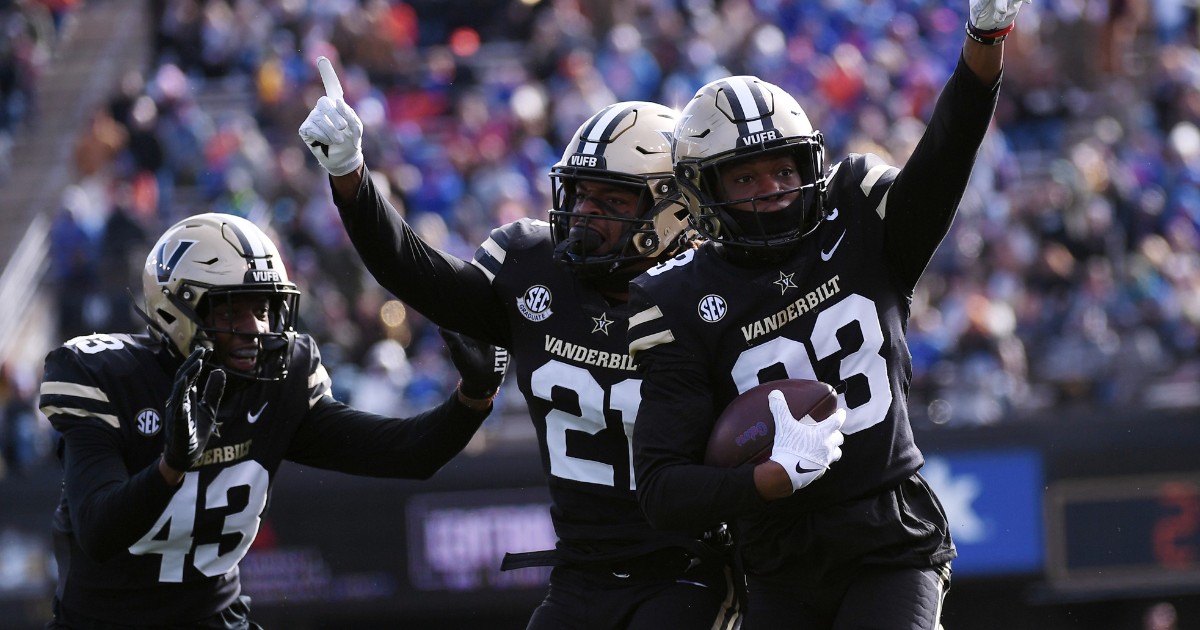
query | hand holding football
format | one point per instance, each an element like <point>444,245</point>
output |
<point>745,431</point>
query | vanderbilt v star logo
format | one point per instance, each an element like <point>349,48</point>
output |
<point>785,282</point>
<point>826,255</point>
<point>602,323</point>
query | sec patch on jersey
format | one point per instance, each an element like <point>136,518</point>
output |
<point>745,431</point>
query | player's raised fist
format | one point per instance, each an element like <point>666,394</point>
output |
<point>332,131</point>
<point>805,448</point>
<point>482,366</point>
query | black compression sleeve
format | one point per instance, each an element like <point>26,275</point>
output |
<point>921,203</point>
<point>334,436</point>
<point>452,293</point>
<point>109,509</point>
<point>674,421</point>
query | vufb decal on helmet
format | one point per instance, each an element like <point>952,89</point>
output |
<point>739,119</point>
<point>627,145</point>
<point>211,258</point>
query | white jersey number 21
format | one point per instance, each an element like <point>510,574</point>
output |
<point>624,397</point>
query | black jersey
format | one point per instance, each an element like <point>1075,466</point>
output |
<point>705,330</point>
<point>571,361</point>
<point>133,549</point>
<point>573,366</point>
<point>745,326</point>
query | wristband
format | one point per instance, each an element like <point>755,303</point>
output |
<point>477,395</point>
<point>988,38</point>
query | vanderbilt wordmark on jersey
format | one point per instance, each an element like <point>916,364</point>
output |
<point>580,353</point>
<point>802,305</point>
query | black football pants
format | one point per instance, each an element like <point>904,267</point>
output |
<point>232,618</point>
<point>588,600</point>
<point>877,598</point>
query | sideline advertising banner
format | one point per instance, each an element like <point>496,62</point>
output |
<point>993,500</point>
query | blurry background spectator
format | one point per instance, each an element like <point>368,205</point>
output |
<point>1070,278</point>
<point>28,31</point>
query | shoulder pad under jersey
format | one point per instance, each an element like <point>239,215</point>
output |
<point>86,378</point>
<point>515,236</point>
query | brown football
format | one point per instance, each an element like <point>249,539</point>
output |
<point>746,429</point>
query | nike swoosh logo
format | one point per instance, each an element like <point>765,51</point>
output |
<point>803,471</point>
<point>253,417</point>
<point>832,215</point>
<point>825,256</point>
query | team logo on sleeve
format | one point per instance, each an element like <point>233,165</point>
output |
<point>712,308</point>
<point>148,423</point>
<point>535,304</point>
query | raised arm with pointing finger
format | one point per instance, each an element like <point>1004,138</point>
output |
<point>449,291</point>
<point>334,130</point>
<point>555,294</point>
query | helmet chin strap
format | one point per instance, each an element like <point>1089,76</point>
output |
<point>580,244</point>
<point>770,224</point>
<point>764,225</point>
<point>583,240</point>
<point>598,276</point>
<point>567,249</point>
<point>754,258</point>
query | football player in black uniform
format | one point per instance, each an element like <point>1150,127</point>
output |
<point>555,295</point>
<point>164,487</point>
<point>808,273</point>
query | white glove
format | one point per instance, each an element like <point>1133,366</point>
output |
<point>994,15</point>
<point>805,448</point>
<point>332,130</point>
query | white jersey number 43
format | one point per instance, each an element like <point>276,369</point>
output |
<point>179,519</point>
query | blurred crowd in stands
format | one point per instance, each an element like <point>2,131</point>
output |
<point>1071,277</point>
<point>29,30</point>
